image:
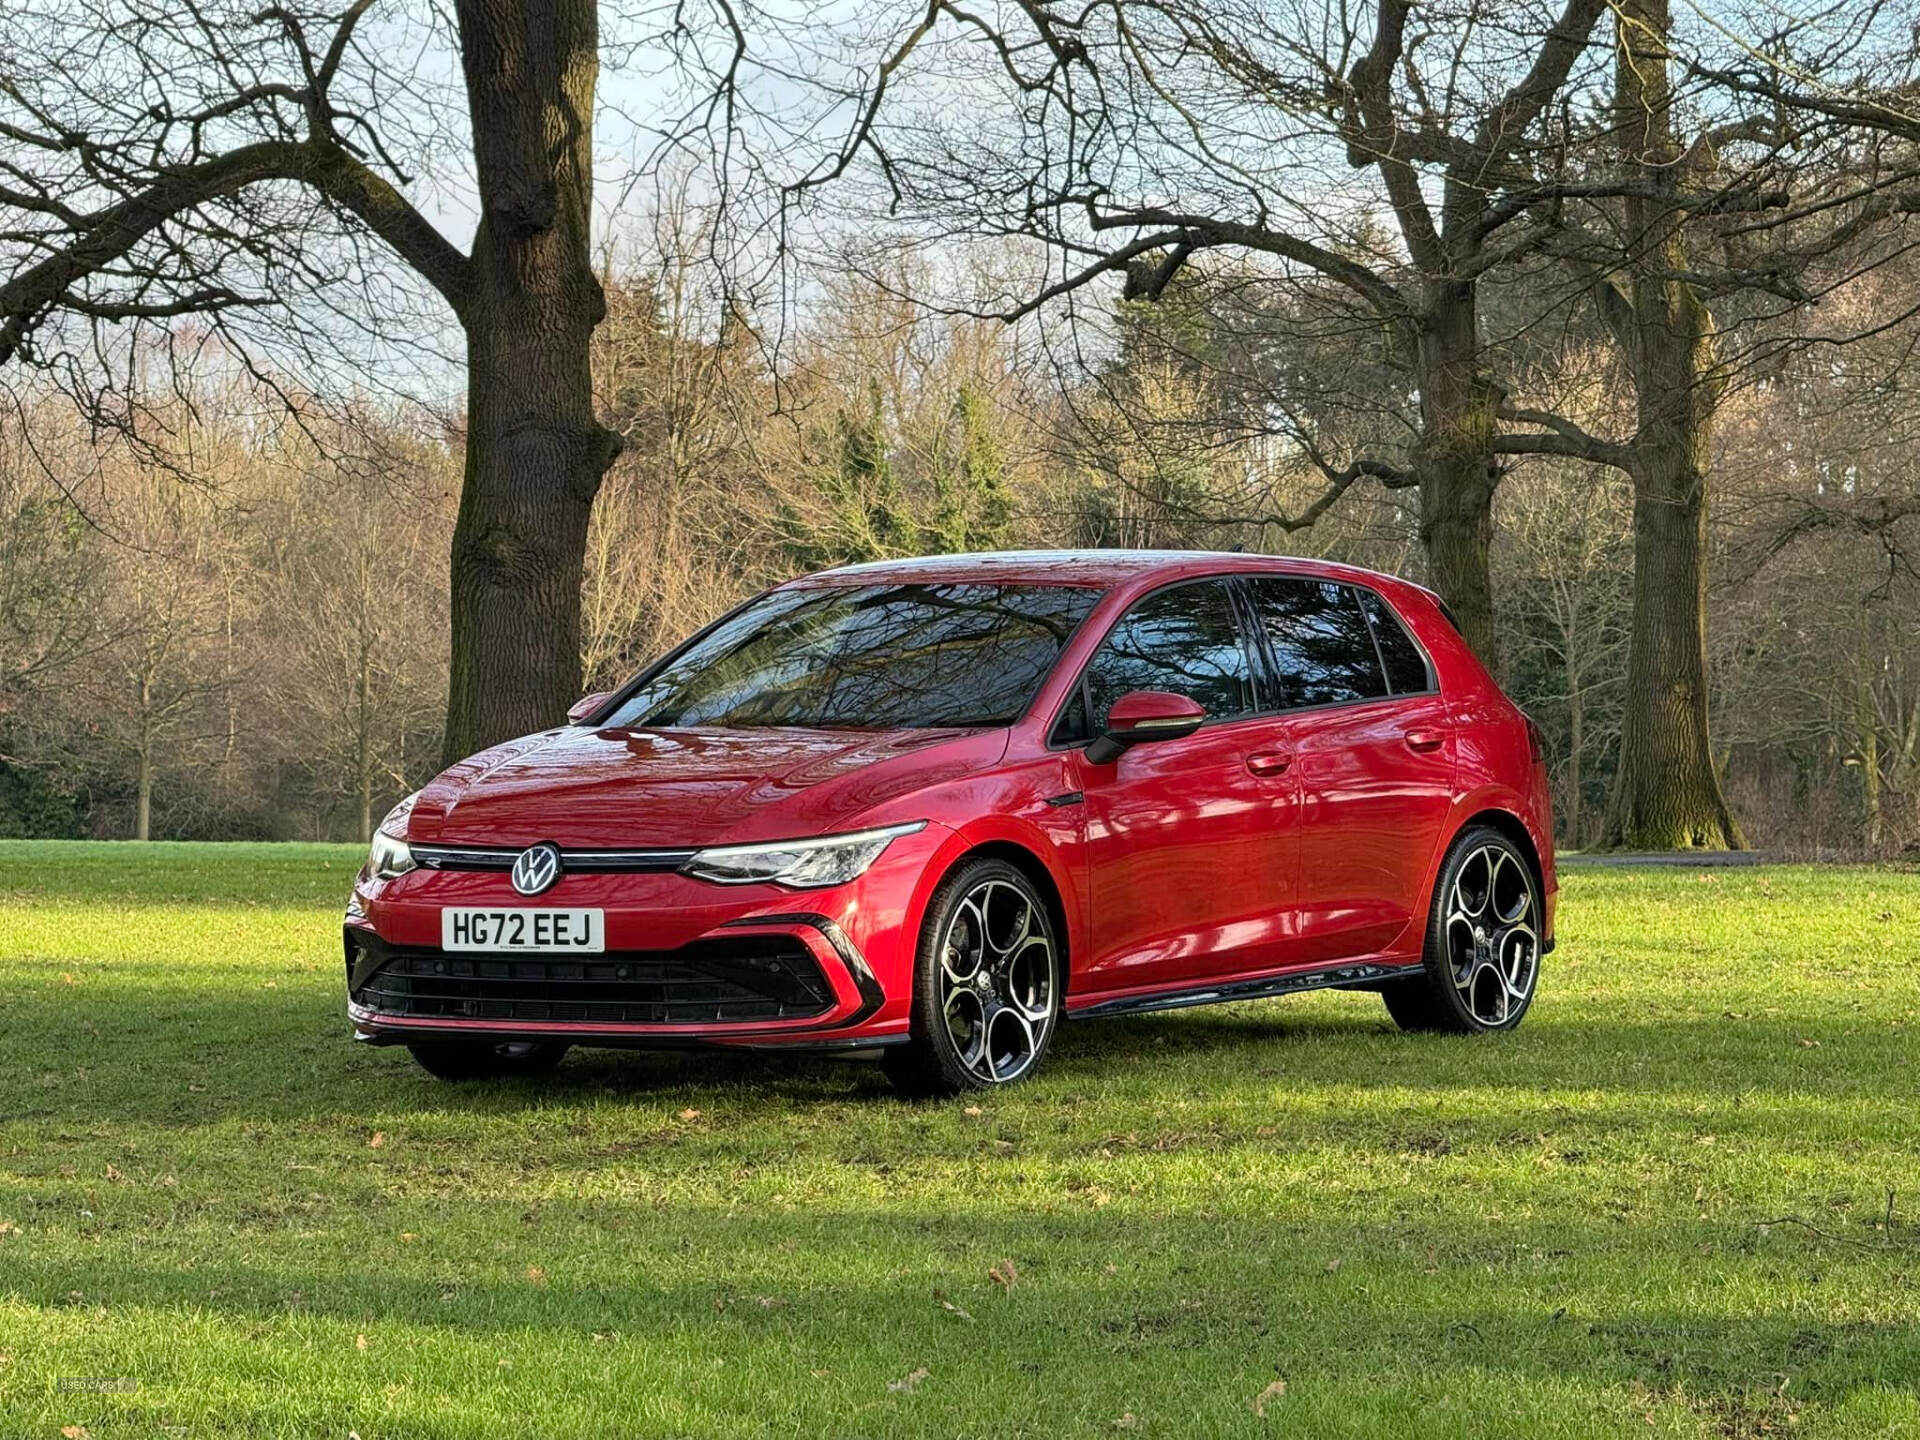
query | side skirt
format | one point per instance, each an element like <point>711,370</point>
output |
<point>1352,976</point>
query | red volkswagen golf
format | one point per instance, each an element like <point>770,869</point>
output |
<point>933,808</point>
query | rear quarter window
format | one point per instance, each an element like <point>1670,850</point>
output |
<point>1406,666</point>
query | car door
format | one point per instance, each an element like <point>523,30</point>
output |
<point>1372,752</point>
<point>1189,842</point>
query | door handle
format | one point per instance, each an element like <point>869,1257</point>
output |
<point>1269,762</point>
<point>1424,740</point>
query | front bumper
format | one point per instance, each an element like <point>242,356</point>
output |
<point>687,962</point>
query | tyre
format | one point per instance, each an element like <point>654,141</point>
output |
<point>484,1059</point>
<point>986,985</point>
<point>1483,941</point>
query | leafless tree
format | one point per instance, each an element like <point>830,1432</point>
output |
<point>1135,139</point>
<point>162,160</point>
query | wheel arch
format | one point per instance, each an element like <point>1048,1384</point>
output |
<point>1026,852</point>
<point>1514,828</point>
<point>1509,824</point>
<point>1035,869</point>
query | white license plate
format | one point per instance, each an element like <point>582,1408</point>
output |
<point>519,929</point>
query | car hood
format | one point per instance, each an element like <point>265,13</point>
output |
<point>673,789</point>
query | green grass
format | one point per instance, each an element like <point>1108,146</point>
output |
<point>1579,1229</point>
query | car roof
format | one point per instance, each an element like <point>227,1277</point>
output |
<point>1082,567</point>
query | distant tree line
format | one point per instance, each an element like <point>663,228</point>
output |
<point>240,629</point>
<point>1596,318</point>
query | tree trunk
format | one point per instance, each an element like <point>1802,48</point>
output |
<point>1666,793</point>
<point>1459,410</point>
<point>143,769</point>
<point>363,738</point>
<point>1866,729</point>
<point>1574,824</point>
<point>535,452</point>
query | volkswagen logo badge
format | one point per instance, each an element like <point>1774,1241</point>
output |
<point>536,868</point>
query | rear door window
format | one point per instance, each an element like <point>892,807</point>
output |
<point>1320,640</point>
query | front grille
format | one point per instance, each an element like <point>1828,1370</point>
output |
<point>754,977</point>
<point>572,862</point>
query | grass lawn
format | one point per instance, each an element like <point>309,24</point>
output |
<point>1674,1203</point>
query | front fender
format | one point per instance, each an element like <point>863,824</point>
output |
<point>1052,838</point>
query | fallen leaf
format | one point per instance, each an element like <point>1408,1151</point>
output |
<point>1332,1265</point>
<point>113,1174</point>
<point>973,1110</point>
<point>7,1227</point>
<point>1267,1396</point>
<point>536,1275</point>
<point>1128,1421</point>
<point>689,1114</point>
<point>1004,1274</point>
<point>947,1305</point>
<point>770,1302</point>
<point>197,1089</point>
<point>379,1139</point>
<point>66,978</point>
<point>1809,1044</point>
<point>908,1382</point>
<point>407,1237</point>
<point>75,1432</point>
<point>360,1343</point>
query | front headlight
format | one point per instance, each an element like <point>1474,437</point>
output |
<point>390,855</point>
<point>802,864</point>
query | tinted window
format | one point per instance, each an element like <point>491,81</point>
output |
<point>1322,646</point>
<point>1406,666</point>
<point>1072,727</point>
<point>871,657</point>
<point>1182,639</point>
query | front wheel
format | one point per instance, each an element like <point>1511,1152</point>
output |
<point>1483,942</point>
<point>986,985</point>
<point>487,1059</point>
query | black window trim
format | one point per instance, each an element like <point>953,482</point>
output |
<point>1271,670</point>
<point>1251,649</point>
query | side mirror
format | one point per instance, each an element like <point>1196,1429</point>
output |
<point>1141,716</point>
<point>586,705</point>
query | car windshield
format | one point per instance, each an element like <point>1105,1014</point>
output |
<point>878,657</point>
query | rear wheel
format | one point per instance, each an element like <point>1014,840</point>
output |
<point>986,985</point>
<point>485,1059</point>
<point>1483,942</point>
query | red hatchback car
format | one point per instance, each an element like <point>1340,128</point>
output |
<point>932,808</point>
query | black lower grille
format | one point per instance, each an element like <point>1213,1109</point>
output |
<point>755,977</point>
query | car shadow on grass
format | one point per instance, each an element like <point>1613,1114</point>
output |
<point>118,1049</point>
